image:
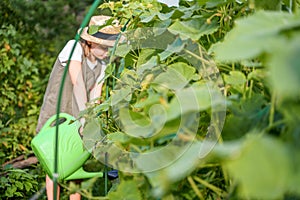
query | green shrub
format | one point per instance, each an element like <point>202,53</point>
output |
<point>23,83</point>
<point>17,184</point>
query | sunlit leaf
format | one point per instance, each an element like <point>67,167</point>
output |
<point>269,177</point>
<point>235,78</point>
<point>127,190</point>
<point>215,3</point>
<point>123,49</point>
<point>152,62</point>
<point>254,35</point>
<point>172,163</point>
<point>118,137</point>
<point>193,28</point>
<point>192,99</point>
<point>175,47</point>
<point>143,125</point>
<point>284,67</point>
<point>176,77</point>
<point>120,95</point>
<point>91,134</point>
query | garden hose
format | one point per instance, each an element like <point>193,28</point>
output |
<point>77,37</point>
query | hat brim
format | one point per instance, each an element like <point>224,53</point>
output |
<point>84,35</point>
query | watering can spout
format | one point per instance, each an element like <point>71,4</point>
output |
<point>82,174</point>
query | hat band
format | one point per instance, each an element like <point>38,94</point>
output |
<point>105,36</point>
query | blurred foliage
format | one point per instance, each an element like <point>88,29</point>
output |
<point>52,23</point>
<point>16,183</point>
<point>157,96</point>
<point>148,103</point>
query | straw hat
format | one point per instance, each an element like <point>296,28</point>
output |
<point>106,35</point>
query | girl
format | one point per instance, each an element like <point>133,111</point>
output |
<point>83,82</point>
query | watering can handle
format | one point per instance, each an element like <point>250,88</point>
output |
<point>51,122</point>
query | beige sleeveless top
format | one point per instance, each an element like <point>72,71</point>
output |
<point>68,101</point>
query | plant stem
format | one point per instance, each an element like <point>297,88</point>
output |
<point>212,187</point>
<point>294,6</point>
<point>195,188</point>
<point>272,109</point>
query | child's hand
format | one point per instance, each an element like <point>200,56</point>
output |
<point>82,122</point>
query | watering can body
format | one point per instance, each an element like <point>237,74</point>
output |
<point>71,153</point>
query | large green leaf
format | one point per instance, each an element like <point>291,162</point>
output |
<point>215,3</point>
<point>118,137</point>
<point>193,28</point>
<point>148,65</point>
<point>169,165</point>
<point>285,71</point>
<point>144,56</point>
<point>92,132</point>
<point>143,125</point>
<point>254,35</point>
<point>192,99</point>
<point>235,78</point>
<point>175,47</point>
<point>152,98</point>
<point>123,49</point>
<point>176,77</point>
<point>267,4</point>
<point>127,190</point>
<point>262,167</point>
<point>120,95</point>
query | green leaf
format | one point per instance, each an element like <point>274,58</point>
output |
<point>148,65</point>
<point>104,106</point>
<point>10,191</point>
<point>153,98</point>
<point>92,132</point>
<point>18,194</point>
<point>110,69</point>
<point>160,27</point>
<point>170,164</point>
<point>140,125</point>
<point>176,77</point>
<point>184,69</point>
<point>123,49</point>
<point>28,186</point>
<point>193,28</point>
<point>144,56</point>
<point>147,17</point>
<point>254,35</point>
<point>235,78</point>
<point>258,74</point>
<point>192,99</point>
<point>267,5</point>
<point>88,184</point>
<point>215,3</point>
<point>19,185</point>
<point>284,67</point>
<point>165,16</point>
<point>175,47</point>
<point>120,95</point>
<point>262,168</point>
<point>127,190</point>
<point>118,137</point>
<point>93,29</point>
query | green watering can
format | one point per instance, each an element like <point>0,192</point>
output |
<point>71,152</point>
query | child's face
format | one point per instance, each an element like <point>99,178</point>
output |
<point>99,51</point>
